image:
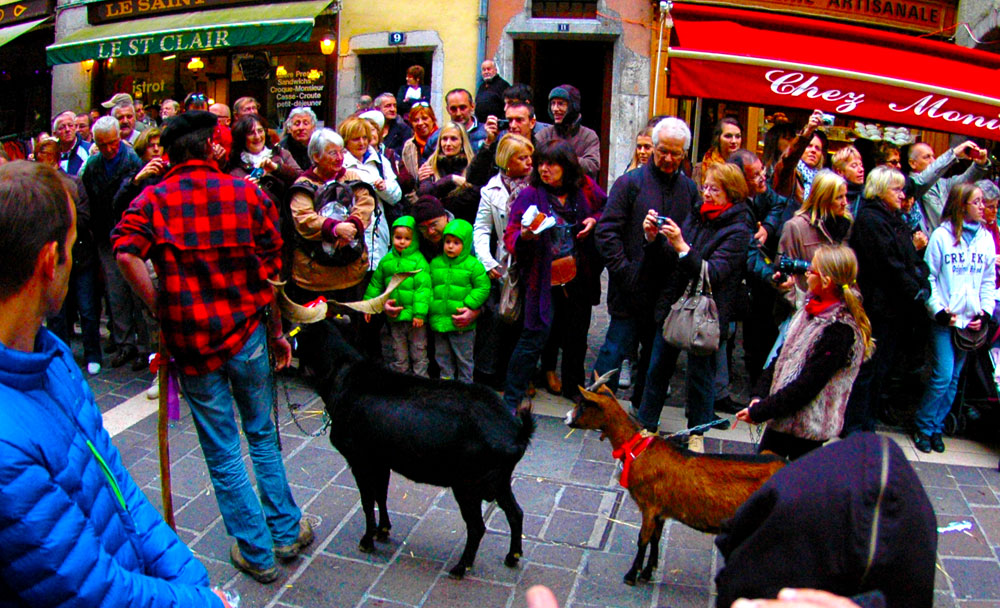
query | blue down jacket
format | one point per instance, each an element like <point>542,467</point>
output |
<point>65,539</point>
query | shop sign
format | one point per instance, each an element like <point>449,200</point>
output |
<point>916,15</point>
<point>116,10</point>
<point>16,12</point>
<point>298,90</point>
<point>204,40</point>
<point>919,106</point>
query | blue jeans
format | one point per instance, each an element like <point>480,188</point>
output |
<point>85,292</point>
<point>620,342</point>
<point>523,362</point>
<point>257,525</point>
<point>946,363</point>
<point>700,405</point>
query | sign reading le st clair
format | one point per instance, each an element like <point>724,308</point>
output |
<point>164,43</point>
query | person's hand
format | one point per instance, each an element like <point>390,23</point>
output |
<point>418,322</point>
<point>379,184</point>
<point>673,233</point>
<point>391,310</point>
<point>814,121</point>
<point>761,234</point>
<point>218,152</point>
<point>540,596</point>
<point>919,240</point>
<point>649,226</point>
<point>464,316</point>
<point>783,283</point>
<point>492,129</point>
<point>944,318</point>
<point>494,273</point>
<point>588,227</point>
<point>799,598</point>
<point>153,167</point>
<point>528,234</point>
<point>976,324</point>
<point>282,353</point>
<point>269,165</point>
<point>346,231</point>
<point>458,180</point>
<point>425,171</point>
<point>969,149</point>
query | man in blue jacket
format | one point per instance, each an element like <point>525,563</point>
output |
<point>75,529</point>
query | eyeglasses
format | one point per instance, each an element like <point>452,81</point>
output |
<point>711,189</point>
<point>977,202</point>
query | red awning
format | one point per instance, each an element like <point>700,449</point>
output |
<point>769,59</point>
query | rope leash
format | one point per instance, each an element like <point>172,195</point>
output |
<point>695,429</point>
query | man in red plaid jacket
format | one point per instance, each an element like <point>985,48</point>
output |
<point>214,241</point>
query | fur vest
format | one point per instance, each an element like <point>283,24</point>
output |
<point>823,417</point>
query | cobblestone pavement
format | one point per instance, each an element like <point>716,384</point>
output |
<point>580,525</point>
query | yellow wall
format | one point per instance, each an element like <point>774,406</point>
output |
<point>455,21</point>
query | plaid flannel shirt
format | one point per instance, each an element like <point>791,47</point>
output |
<point>214,240</point>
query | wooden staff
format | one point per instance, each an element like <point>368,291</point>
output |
<point>163,379</point>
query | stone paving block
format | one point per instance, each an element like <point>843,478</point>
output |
<point>967,476</point>
<point>934,475</point>
<point>683,596</point>
<point>992,477</point>
<point>467,593</point>
<point>970,543</point>
<point>311,468</point>
<point>949,501</point>
<point>145,470</point>
<point>152,493</point>
<point>255,595</point>
<point>624,538</point>
<point>437,536</point>
<point>559,581</point>
<point>967,604</point>
<point>979,495</point>
<point>688,538</point>
<point>686,567</point>
<point>345,478</point>
<point>132,447</point>
<point>554,429</point>
<point>536,495</point>
<point>551,554</point>
<point>595,449</point>
<point>446,501</point>
<point>973,579</point>
<point>345,542</point>
<point>531,527</point>
<point>599,474</point>
<point>583,500</point>
<point>410,497</point>
<point>331,581</point>
<point>109,400</point>
<point>220,574</point>
<point>944,599</point>
<point>200,512</point>
<point>189,476</point>
<point>332,503</point>
<point>545,459</point>
<point>373,602</point>
<point>407,580</point>
<point>99,386</point>
<point>215,543</point>
<point>578,529</point>
<point>600,584</point>
<point>183,443</point>
<point>489,564</point>
<point>989,522</point>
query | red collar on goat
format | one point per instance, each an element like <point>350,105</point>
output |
<point>629,451</point>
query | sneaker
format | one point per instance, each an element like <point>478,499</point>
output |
<point>153,392</point>
<point>937,443</point>
<point>625,375</point>
<point>922,442</point>
<point>305,538</point>
<point>125,355</point>
<point>141,362</point>
<point>726,405</point>
<point>263,576</point>
<point>696,443</point>
<point>93,368</point>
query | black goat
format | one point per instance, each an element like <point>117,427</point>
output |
<point>440,432</point>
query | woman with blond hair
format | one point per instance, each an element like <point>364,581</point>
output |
<point>847,163</point>
<point>443,175</point>
<point>643,149</point>
<point>809,383</point>
<point>961,258</point>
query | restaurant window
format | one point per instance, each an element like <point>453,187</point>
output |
<point>580,9</point>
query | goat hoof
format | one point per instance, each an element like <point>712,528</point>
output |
<point>382,535</point>
<point>366,546</point>
<point>512,560</point>
<point>630,579</point>
<point>646,576</point>
<point>457,573</point>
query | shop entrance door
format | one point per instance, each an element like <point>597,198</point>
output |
<point>587,65</point>
<point>386,72</point>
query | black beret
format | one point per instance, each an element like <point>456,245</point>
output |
<point>183,124</point>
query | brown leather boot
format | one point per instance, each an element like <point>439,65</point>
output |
<point>553,382</point>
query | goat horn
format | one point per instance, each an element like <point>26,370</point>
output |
<point>601,381</point>
<point>377,304</point>
<point>296,313</point>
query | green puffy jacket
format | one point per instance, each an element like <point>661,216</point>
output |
<point>457,282</point>
<point>414,293</point>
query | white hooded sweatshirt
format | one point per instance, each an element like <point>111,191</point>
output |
<point>963,276</point>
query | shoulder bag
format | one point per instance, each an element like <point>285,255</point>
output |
<point>693,321</point>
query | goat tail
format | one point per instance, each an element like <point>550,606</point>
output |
<point>527,427</point>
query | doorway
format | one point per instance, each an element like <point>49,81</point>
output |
<point>386,72</point>
<point>585,64</point>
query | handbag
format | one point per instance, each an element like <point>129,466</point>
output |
<point>693,321</point>
<point>563,270</point>
<point>969,340</point>
<point>509,308</point>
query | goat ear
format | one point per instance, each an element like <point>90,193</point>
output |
<point>608,391</point>
<point>589,396</point>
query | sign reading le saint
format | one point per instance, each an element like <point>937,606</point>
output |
<point>115,10</point>
<point>23,11</point>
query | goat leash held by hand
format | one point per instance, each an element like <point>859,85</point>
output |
<point>695,429</point>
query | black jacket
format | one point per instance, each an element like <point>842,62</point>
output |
<point>397,135</point>
<point>633,287</point>
<point>891,274</point>
<point>811,525</point>
<point>489,98</point>
<point>299,152</point>
<point>723,244</point>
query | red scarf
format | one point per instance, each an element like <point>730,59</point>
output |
<point>817,304</point>
<point>628,452</point>
<point>710,212</point>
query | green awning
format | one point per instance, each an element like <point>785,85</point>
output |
<point>191,32</point>
<point>13,31</point>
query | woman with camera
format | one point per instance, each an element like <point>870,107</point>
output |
<point>795,170</point>
<point>717,235</point>
<point>961,258</point>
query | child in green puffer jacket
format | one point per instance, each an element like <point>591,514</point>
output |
<point>459,284</point>
<point>407,331</point>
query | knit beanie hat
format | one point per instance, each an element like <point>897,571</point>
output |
<point>427,208</point>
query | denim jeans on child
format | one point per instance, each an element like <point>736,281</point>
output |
<point>945,363</point>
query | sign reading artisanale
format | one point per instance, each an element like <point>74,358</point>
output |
<point>115,10</point>
<point>915,15</point>
<point>16,12</point>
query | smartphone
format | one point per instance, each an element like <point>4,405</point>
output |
<point>975,154</point>
<point>503,124</point>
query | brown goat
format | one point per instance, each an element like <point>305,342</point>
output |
<point>698,490</point>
